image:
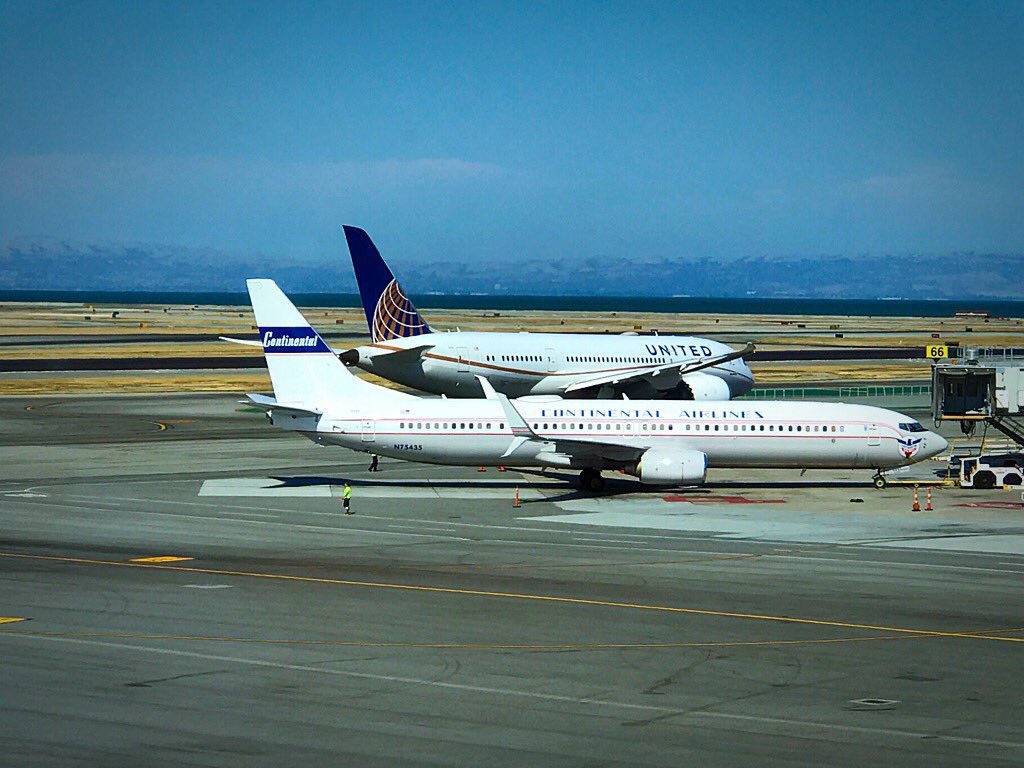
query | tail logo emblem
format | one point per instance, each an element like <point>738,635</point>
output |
<point>909,446</point>
<point>277,340</point>
<point>395,317</point>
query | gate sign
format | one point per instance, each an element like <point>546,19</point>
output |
<point>936,351</point>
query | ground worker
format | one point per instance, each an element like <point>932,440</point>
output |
<point>346,499</point>
<point>373,462</point>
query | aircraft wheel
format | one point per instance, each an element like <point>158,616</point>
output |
<point>880,482</point>
<point>591,480</point>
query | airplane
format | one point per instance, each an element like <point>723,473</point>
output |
<point>661,442</point>
<point>404,349</point>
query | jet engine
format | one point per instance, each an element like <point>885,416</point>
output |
<point>350,357</point>
<point>702,386</point>
<point>665,467</point>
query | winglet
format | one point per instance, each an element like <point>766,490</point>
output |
<point>485,385</point>
<point>516,421</point>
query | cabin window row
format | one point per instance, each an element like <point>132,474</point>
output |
<point>446,425</point>
<point>620,427</point>
<point>614,359</point>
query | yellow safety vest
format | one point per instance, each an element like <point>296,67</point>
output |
<point>347,494</point>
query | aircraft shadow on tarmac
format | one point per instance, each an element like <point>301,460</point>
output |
<point>616,485</point>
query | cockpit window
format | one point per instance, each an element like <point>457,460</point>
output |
<point>912,426</point>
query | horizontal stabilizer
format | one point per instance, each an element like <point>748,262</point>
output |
<point>270,404</point>
<point>246,342</point>
<point>404,355</point>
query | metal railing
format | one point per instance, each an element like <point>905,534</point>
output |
<point>801,393</point>
<point>990,353</point>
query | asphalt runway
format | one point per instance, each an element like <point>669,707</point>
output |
<point>179,587</point>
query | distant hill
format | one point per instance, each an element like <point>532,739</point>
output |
<point>961,276</point>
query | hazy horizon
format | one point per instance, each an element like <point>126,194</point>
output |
<point>475,132</point>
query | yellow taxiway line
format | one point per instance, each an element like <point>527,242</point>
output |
<point>554,599</point>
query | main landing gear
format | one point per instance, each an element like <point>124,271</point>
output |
<point>879,481</point>
<point>591,480</point>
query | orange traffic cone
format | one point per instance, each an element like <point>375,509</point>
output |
<point>917,504</point>
<point>928,503</point>
<point>501,468</point>
<point>515,501</point>
<point>482,469</point>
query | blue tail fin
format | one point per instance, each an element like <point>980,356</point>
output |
<point>389,314</point>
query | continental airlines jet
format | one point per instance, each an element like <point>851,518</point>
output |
<point>404,349</point>
<point>662,442</point>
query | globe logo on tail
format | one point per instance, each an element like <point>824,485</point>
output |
<point>395,317</point>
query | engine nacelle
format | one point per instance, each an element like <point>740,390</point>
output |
<point>665,467</point>
<point>351,357</point>
<point>704,386</point>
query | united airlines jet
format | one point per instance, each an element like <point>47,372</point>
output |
<point>404,349</point>
<point>662,442</point>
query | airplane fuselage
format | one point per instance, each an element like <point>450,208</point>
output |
<point>519,364</point>
<point>731,435</point>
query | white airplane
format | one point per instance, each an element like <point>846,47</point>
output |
<point>404,349</point>
<point>661,442</point>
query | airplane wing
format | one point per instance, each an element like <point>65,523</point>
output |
<point>405,355</point>
<point>270,404</point>
<point>652,373</point>
<point>522,433</point>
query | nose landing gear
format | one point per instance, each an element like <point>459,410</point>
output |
<point>591,480</point>
<point>879,481</point>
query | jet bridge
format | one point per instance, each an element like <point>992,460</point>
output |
<point>982,385</point>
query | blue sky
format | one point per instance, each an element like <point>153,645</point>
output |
<point>484,130</point>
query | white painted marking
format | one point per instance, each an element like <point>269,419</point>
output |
<point>26,495</point>
<point>260,486</point>
<point>206,586</point>
<point>1006,544</point>
<point>418,489</point>
<point>342,528</point>
<point>538,696</point>
<point>611,541</point>
<point>250,514</point>
<point>420,528</point>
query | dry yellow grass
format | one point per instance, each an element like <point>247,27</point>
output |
<point>228,381</point>
<point>791,374</point>
<point>769,331</point>
<point>105,351</point>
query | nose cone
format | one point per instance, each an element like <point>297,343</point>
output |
<point>743,379</point>
<point>935,444</point>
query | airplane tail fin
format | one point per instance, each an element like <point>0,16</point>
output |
<point>305,373</point>
<point>389,313</point>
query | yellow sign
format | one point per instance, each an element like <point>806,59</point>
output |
<point>936,351</point>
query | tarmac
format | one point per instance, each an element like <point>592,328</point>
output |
<point>181,588</point>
